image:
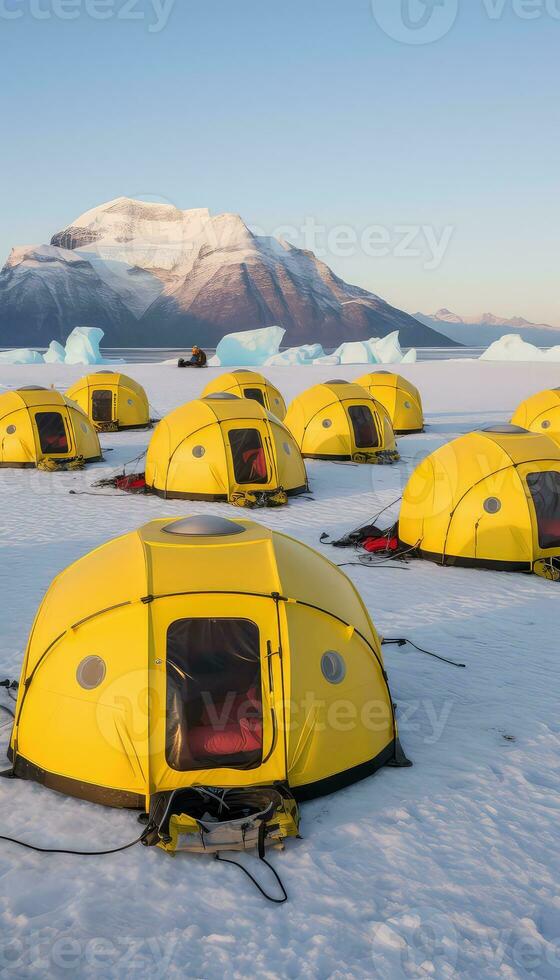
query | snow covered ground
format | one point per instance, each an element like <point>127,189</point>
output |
<point>447,869</point>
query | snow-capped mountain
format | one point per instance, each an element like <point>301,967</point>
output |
<point>151,274</point>
<point>477,331</point>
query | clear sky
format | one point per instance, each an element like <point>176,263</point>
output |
<point>349,121</point>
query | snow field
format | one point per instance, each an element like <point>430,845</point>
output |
<point>447,869</point>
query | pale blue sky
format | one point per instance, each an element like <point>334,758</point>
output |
<point>303,113</point>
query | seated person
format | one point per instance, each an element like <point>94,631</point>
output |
<point>198,359</point>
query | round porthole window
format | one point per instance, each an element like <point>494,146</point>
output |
<point>130,402</point>
<point>91,672</point>
<point>287,449</point>
<point>198,452</point>
<point>327,423</point>
<point>11,429</point>
<point>492,505</point>
<point>333,667</point>
<point>84,426</point>
<point>545,424</point>
<point>407,405</point>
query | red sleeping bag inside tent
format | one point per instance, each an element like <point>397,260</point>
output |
<point>230,728</point>
<point>230,740</point>
<point>56,444</point>
<point>257,461</point>
<point>549,528</point>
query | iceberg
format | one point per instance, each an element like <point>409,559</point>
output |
<point>248,348</point>
<point>82,346</point>
<point>292,356</point>
<point>356,352</point>
<point>410,357</point>
<point>386,350</point>
<point>376,350</point>
<point>55,354</point>
<point>21,356</point>
<point>262,347</point>
<point>310,351</point>
<point>306,354</point>
<point>512,347</point>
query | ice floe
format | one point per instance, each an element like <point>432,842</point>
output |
<point>248,347</point>
<point>55,354</point>
<point>262,347</point>
<point>21,356</point>
<point>355,352</point>
<point>82,347</point>
<point>512,347</point>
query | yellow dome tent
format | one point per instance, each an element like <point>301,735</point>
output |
<point>399,398</point>
<point>224,448</point>
<point>249,384</point>
<point>489,499</point>
<point>112,400</point>
<point>339,420</point>
<point>41,427</point>
<point>541,413</point>
<point>201,652</point>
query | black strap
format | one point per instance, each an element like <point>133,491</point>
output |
<point>402,641</point>
<point>261,852</point>
<point>61,850</point>
<point>269,898</point>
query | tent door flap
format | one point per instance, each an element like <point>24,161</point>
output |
<point>544,487</point>
<point>218,692</point>
<point>102,405</point>
<point>364,428</point>
<point>53,433</point>
<point>248,458</point>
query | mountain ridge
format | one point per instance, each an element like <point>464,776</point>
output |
<point>485,319</point>
<point>482,330</point>
<point>150,274</point>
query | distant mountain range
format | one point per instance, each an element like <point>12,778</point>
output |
<point>479,331</point>
<point>152,275</point>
